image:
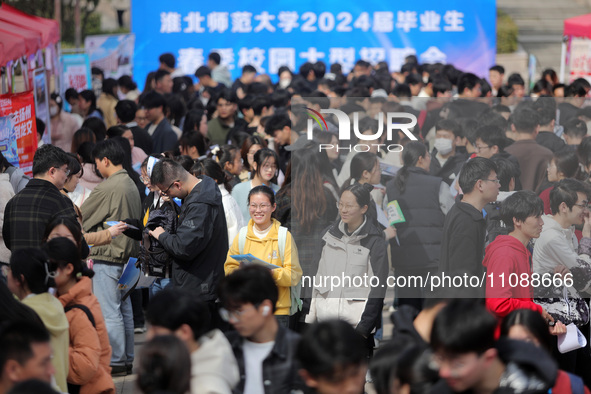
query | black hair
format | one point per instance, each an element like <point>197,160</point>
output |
<point>171,308</point>
<point>126,82</point>
<point>97,71</point>
<point>71,93</point>
<point>153,99</point>
<point>575,128</point>
<point>89,96</point>
<point>74,165</point>
<point>567,162</point>
<point>226,154</point>
<point>167,170</point>
<point>362,161</point>
<point>441,85</point>
<point>467,81</point>
<point>249,285</point>
<point>492,136</point>
<point>148,82</point>
<point>85,152</point>
<point>498,68</point>
<point>277,122</point>
<point>48,156</point>
<point>58,99</point>
<point>73,227</point>
<point>168,59</point>
<point>202,71</point>
<point>185,161</point>
<point>401,90</point>
<point>519,206</point>
<point>247,144</point>
<point>248,69</point>
<point>499,108</point>
<point>565,191</point>
<point>40,125</point>
<point>473,170</point>
<point>546,109</point>
<point>450,125</point>
<point>413,150</point>
<point>515,79</point>
<point>280,98</point>
<point>329,347</point>
<point>97,126</point>
<point>62,251</point>
<point>196,139</point>
<point>215,57</point>
<point>227,95</point>
<point>413,79</point>
<point>33,265</point>
<point>260,157</point>
<point>12,309</point>
<point>160,74</point>
<point>126,110</point>
<point>126,163</point>
<point>584,152</point>
<point>16,338</point>
<point>541,86</point>
<point>463,326</point>
<point>110,87</point>
<point>32,386</point>
<point>506,171</point>
<point>361,193</point>
<point>262,189</point>
<point>193,120</point>
<point>550,73</point>
<point>110,149</point>
<point>485,87</point>
<point>213,170</point>
<point>176,109</point>
<point>558,86</point>
<point>164,366</point>
<point>116,131</point>
<point>533,322</point>
<point>319,69</point>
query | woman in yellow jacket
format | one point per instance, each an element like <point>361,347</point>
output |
<point>262,241</point>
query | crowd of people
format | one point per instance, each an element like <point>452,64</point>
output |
<point>255,224</point>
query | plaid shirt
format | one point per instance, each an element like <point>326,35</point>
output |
<point>30,211</point>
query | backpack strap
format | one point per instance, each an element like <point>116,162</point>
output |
<point>84,309</point>
<point>576,384</point>
<point>242,239</point>
<point>295,291</point>
<point>281,241</point>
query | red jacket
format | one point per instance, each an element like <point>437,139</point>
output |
<point>505,260</point>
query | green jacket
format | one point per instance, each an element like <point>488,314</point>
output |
<point>116,198</point>
<point>217,132</point>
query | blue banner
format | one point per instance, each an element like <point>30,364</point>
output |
<point>274,34</point>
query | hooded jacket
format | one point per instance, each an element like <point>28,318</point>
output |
<point>528,370</point>
<point>200,244</point>
<point>267,249</point>
<point>90,351</point>
<point>53,317</point>
<point>214,369</point>
<point>350,258</point>
<point>506,259</point>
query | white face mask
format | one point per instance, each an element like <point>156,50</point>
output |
<point>443,145</point>
<point>53,110</point>
<point>284,83</point>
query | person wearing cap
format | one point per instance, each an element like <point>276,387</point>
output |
<point>63,124</point>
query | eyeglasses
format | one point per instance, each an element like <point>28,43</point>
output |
<point>226,315</point>
<point>492,180</point>
<point>479,148</point>
<point>343,207</point>
<point>262,207</point>
<point>270,167</point>
<point>165,192</point>
<point>584,205</point>
<point>66,170</point>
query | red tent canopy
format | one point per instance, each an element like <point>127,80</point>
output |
<point>48,28</point>
<point>32,38</point>
<point>579,26</point>
<point>13,46</point>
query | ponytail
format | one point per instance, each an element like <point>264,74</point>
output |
<point>411,154</point>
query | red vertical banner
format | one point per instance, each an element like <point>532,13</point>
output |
<point>18,129</point>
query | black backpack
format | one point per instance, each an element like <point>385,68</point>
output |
<point>75,388</point>
<point>154,259</point>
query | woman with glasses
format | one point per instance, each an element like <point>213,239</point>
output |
<point>354,255</point>
<point>262,240</point>
<point>424,200</point>
<point>265,166</point>
<point>29,277</point>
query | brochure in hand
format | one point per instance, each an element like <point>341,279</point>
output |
<point>250,259</point>
<point>114,222</point>
<point>133,278</point>
<point>395,214</point>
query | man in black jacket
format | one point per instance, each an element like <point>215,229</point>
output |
<point>464,230</point>
<point>265,351</point>
<point>447,161</point>
<point>126,110</point>
<point>200,244</point>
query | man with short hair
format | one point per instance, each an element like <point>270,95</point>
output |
<point>507,256</point>
<point>219,72</point>
<point>25,353</point>
<point>517,85</point>
<point>163,137</point>
<point>466,106</point>
<point>220,126</point>
<point>333,358</point>
<point>546,109</point>
<point>265,350</point>
<point>168,63</point>
<point>28,213</point>
<point>446,162</point>
<point>213,366</point>
<point>495,76</point>
<point>114,199</point>
<point>126,111</point>
<point>464,230</point>
<point>471,361</point>
<point>533,158</point>
<point>240,85</point>
<point>200,244</point>
<point>163,82</point>
<point>279,126</point>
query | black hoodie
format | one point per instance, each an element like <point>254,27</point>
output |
<point>200,244</point>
